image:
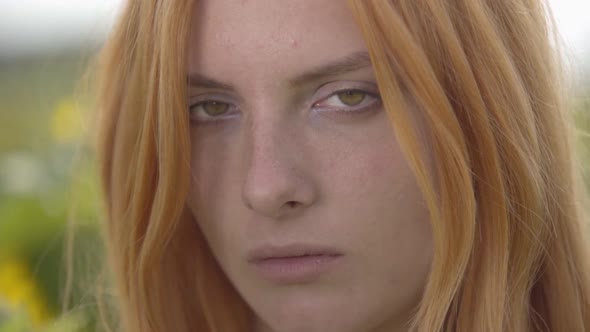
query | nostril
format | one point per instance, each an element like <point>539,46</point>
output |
<point>291,204</point>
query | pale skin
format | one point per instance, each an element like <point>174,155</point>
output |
<point>291,145</point>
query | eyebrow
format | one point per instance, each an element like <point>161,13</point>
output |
<point>349,63</point>
<point>200,81</point>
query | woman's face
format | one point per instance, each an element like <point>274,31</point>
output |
<point>299,185</point>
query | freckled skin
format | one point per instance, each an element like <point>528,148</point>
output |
<point>282,172</point>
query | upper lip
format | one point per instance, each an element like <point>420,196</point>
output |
<point>264,252</point>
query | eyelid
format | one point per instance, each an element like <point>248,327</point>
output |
<point>203,97</point>
<point>329,89</point>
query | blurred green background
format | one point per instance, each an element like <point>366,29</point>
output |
<point>48,194</point>
<point>48,186</point>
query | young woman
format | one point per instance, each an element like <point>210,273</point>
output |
<point>334,166</point>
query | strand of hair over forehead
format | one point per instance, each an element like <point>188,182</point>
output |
<point>166,277</point>
<point>506,99</point>
<point>392,44</point>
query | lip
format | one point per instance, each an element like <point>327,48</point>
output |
<point>294,263</point>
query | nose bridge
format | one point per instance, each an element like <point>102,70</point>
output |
<point>265,149</point>
<point>270,145</point>
<point>273,183</point>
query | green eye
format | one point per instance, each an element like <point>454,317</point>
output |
<point>215,108</point>
<point>352,97</point>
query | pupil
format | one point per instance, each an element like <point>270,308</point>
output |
<point>352,97</point>
<point>215,108</point>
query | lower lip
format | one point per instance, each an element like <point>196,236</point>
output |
<point>292,270</point>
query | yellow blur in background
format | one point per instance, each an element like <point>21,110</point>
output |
<point>48,195</point>
<point>20,292</point>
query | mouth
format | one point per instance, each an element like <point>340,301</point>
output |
<point>293,264</point>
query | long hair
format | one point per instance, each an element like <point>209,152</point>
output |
<point>505,197</point>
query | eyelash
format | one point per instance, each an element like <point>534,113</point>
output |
<point>373,103</point>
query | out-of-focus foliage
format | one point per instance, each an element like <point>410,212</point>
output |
<point>47,187</point>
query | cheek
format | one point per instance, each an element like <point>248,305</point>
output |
<point>385,192</point>
<point>214,163</point>
<point>381,207</point>
<point>390,227</point>
<point>367,169</point>
<point>211,181</point>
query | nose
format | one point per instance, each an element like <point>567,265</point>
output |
<point>277,183</point>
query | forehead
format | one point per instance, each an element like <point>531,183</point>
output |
<point>270,35</point>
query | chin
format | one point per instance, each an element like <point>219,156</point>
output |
<point>313,315</point>
<point>293,324</point>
